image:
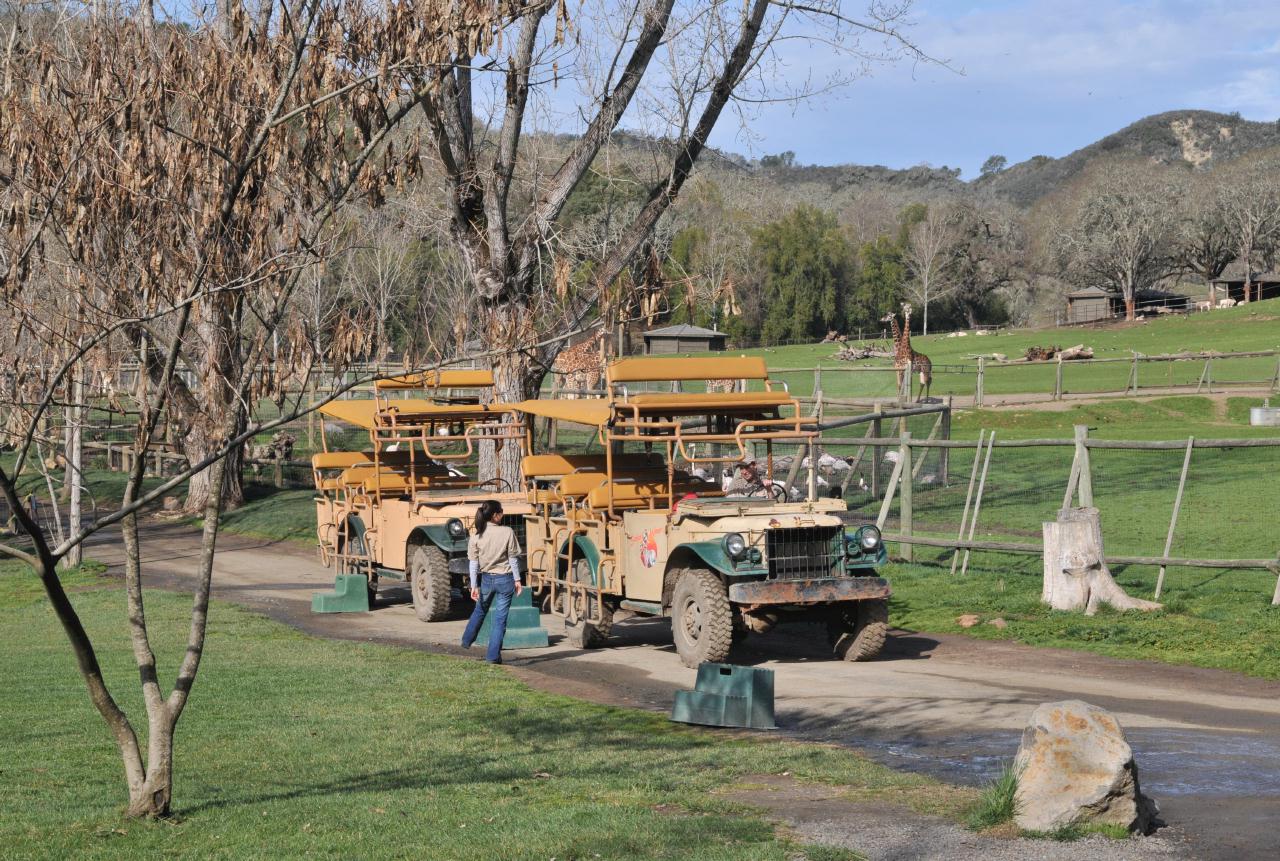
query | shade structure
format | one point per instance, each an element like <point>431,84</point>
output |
<point>446,379</point>
<point>371,413</point>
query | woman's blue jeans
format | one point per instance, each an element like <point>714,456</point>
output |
<point>498,590</point>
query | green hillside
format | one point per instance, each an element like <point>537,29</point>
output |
<point>1245,328</point>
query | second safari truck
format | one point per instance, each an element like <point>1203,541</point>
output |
<point>401,508</point>
<point>627,530</point>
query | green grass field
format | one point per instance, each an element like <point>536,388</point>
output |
<point>1244,328</point>
<point>293,746</point>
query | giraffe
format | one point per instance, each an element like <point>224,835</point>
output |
<point>582,364</point>
<point>722,386</point>
<point>905,359</point>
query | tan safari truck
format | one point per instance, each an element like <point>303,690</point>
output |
<point>402,507</point>
<point>637,529</point>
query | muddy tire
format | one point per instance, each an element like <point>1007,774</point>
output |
<point>587,635</point>
<point>430,582</point>
<point>701,618</point>
<point>865,628</point>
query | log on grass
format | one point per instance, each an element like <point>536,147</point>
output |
<point>1075,575</point>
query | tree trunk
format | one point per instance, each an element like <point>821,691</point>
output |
<point>1129,307</point>
<point>517,376</point>
<point>75,465</point>
<point>1075,575</point>
<point>151,797</point>
<point>203,441</point>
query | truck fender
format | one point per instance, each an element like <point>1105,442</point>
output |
<point>584,547</point>
<point>701,554</point>
<point>438,534</point>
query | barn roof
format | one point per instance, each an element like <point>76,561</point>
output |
<point>684,330</point>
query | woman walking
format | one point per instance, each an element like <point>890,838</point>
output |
<point>493,557</point>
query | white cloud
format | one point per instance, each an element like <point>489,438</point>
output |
<point>1254,93</point>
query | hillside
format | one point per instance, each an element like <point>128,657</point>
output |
<point>1201,139</point>
<point>1195,138</point>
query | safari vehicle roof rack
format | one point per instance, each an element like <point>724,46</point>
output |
<point>449,386</point>
<point>671,418</point>
<point>412,437</point>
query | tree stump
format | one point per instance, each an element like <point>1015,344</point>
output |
<point>1075,575</point>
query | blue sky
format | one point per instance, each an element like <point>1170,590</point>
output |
<point>1033,77</point>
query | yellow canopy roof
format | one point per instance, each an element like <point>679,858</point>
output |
<point>363,413</point>
<point>648,368</point>
<point>586,411</point>
<point>447,379</point>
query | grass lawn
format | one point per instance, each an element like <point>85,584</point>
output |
<point>1241,329</point>
<point>1219,619</point>
<point>296,746</point>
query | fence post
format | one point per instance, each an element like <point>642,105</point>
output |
<point>1085,485</point>
<point>817,380</point>
<point>904,495</point>
<point>977,393</point>
<point>877,455</point>
<point>968,497</point>
<point>944,465</point>
<point>977,501</point>
<point>1133,375</point>
<point>1275,381</point>
<point>1057,380</point>
<point>1173,520</point>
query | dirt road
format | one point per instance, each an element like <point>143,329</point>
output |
<point>1207,742</point>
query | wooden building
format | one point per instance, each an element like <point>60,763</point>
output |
<point>683,338</point>
<point>1230,285</point>
<point>1098,303</point>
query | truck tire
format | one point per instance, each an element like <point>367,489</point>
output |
<point>430,582</point>
<point>701,618</point>
<point>587,635</point>
<point>866,627</point>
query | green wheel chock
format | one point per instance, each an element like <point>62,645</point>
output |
<point>350,595</point>
<point>524,625</point>
<point>728,695</point>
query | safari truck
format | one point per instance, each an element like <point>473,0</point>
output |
<point>402,508</point>
<point>639,529</point>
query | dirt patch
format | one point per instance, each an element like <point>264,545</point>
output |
<point>884,831</point>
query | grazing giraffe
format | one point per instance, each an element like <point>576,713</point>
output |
<point>582,364</point>
<point>722,386</point>
<point>905,359</point>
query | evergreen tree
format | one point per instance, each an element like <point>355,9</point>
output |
<point>807,269</point>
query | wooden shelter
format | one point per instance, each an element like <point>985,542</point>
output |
<point>683,338</point>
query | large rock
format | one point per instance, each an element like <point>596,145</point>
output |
<point>1075,768</point>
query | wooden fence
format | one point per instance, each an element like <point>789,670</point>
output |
<point>1079,489</point>
<point>973,380</point>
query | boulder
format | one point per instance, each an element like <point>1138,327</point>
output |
<point>1075,768</point>
<point>968,620</point>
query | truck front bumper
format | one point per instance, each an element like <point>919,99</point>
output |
<point>825,590</point>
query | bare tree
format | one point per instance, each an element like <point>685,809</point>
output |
<point>1250,201</point>
<point>1123,234</point>
<point>1206,244</point>
<point>678,65</point>
<point>990,259</point>
<point>179,180</point>
<point>929,254</point>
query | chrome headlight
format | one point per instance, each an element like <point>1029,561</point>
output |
<point>456,528</point>
<point>736,546</point>
<point>869,539</point>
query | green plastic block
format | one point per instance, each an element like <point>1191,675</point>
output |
<point>524,625</point>
<point>728,695</point>
<point>350,595</point>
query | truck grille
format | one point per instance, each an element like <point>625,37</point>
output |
<point>804,552</point>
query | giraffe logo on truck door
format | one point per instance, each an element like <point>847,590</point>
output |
<point>648,541</point>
